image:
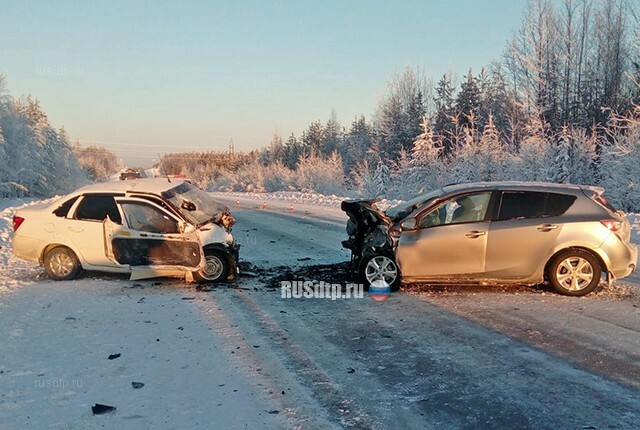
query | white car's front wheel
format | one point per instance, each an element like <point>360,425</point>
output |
<point>61,264</point>
<point>216,267</point>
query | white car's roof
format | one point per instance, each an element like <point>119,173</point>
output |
<point>151,185</point>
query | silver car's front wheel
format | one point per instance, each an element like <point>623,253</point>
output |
<point>381,268</point>
<point>574,273</point>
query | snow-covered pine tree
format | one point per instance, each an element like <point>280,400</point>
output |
<point>468,101</point>
<point>562,153</point>
<point>332,136</point>
<point>492,155</point>
<point>620,162</point>
<point>534,160</point>
<point>426,167</point>
<point>444,112</point>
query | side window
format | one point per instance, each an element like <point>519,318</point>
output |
<point>63,209</point>
<point>144,217</point>
<point>462,209</point>
<point>529,204</point>
<point>96,208</point>
<point>558,204</point>
<point>521,205</point>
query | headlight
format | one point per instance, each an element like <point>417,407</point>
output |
<point>378,237</point>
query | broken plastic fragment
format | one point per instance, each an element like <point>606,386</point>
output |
<point>99,409</point>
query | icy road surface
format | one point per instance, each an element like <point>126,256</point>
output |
<point>239,356</point>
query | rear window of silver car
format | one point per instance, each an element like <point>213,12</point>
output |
<point>531,204</point>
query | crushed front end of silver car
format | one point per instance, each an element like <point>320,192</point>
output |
<point>369,230</point>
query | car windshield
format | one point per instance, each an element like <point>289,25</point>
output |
<point>195,205</point>
<point>405,208</point>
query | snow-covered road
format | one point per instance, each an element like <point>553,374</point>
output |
<point>240,356</point>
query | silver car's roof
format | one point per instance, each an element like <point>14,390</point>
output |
<point>520,185</point>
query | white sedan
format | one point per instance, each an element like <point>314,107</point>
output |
<point>145,227</point>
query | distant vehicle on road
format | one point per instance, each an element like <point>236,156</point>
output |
<point>494,232</point>
<point>130,174</point>
<point>144,227</point>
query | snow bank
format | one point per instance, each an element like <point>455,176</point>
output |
<point>15,271</point>
<point>300,197</point>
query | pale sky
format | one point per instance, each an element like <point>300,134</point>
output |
<point>143,78</point>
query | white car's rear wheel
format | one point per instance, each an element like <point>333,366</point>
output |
<point>61,264</point>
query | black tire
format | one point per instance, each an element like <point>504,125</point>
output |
<point>61,264</point>
<point>388,259</point>
<point>574,272</point>
<point>216,268</point>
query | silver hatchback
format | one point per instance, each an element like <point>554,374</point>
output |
<point>494,232</point>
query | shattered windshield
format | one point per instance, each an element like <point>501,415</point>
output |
<point>405,208</point>
<point>195,205</point>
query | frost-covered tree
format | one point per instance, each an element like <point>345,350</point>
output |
<point>323,175</point>
<point>425,169</point>
<point>313,137</point>
<point>534,159</point>
<point>620,162</point>
<point>293,152</point>
<point>98,163</point>
<point>32,153</point>
<point>399,113</point>
<point>333,135</point>
<point>467,103</point>
<point>444,102</point>
<point>358,142</point>
<point>562,157</point>
<point>381,179</point>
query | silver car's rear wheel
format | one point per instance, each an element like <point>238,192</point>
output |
<point>381,268</point>
<point>574,273</point>
<point>61,264</point>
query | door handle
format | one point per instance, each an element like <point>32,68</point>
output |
<point>547,227</point>
<point>75,229</point>
<point>474,234</point>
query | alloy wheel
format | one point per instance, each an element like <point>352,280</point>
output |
<point>61,264</point>
<point>381,268</point>
<point>574,273</point>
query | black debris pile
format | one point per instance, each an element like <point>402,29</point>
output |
<point>114,356</point>
<point>338,273</point>
<point>137,385</point>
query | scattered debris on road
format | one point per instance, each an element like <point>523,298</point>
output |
<point>99,409</point>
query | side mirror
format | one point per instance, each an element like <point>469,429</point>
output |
<point>409,224</point>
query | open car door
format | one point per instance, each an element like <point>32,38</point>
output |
<point>152,241</point>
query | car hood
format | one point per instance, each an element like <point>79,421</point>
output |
<point>365,212</point>
<point>366,224</point>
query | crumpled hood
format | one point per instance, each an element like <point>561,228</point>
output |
<point>364,218</point>
<point>365,211</point>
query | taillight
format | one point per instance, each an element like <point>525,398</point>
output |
<point>17,220</point>
<point>612,224</point>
